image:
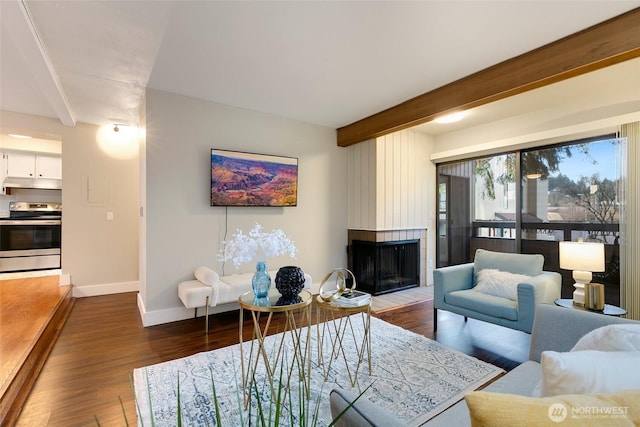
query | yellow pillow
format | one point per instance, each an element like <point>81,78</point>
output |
<point>500,409</point>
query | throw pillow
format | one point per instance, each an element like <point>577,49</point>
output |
<point>589,371</point>
<point>488,409</point>
<point>621,337</point>
<point>499,283</point>
<point>206,276</point>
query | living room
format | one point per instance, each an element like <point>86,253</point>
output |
<point>164,227</point>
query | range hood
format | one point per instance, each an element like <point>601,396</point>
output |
<point>41,183</point>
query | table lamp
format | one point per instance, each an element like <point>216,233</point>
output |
<point>583,258</point>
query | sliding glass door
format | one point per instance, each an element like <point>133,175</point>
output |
<point>528,201</point>
<point>572,192</point>
<point>477,209</point>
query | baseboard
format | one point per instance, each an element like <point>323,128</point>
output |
<point>105,289</point>
<point>65,279</point>
<point>158,317</point>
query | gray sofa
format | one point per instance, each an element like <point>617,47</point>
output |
<point>555,328</point>
<point>455,289</point>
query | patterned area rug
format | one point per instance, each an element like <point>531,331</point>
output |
<point>412,376</point>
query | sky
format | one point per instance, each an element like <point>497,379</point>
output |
<point>601,160</point>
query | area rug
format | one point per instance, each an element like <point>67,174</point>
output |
<point>413,377</point>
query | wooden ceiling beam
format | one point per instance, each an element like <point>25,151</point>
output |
<point>610,42</point>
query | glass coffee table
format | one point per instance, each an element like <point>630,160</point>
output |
<point>609,310</point>
<point>294,328</point>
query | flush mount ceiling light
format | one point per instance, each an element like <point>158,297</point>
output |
<point>534,176</point>
<point>118,140</point>
<point>450,118</point>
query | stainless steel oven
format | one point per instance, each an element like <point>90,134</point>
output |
<point>30,238</point>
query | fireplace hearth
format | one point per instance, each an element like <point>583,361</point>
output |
<point>383,267</point>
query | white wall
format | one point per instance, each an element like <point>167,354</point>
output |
<point>405,181</point>
<point>391,182</point>
<point>99,255</point>
<point>183,232</point>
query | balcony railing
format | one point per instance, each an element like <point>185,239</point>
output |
<point>543,237</point>
<point>561,230</point>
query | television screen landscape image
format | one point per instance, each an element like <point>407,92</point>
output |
<point>249,179</point>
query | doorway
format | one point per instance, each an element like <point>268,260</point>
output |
<point>454,220</point>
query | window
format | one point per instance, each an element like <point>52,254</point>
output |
<point>573,188</point>
<point>528,201</point>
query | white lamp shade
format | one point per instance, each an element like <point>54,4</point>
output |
<point>582,256</point>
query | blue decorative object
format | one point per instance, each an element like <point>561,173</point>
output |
<point>261,280</point>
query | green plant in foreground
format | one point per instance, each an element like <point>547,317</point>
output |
<point>268,412</point>
<point>307,413</point>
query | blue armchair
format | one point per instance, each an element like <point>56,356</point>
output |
<point>455,289</point>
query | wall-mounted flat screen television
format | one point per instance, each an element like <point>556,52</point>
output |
<point>250,179</point>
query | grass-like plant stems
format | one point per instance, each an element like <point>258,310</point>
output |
<point>135,399</point>
<point>349,406</point>
<point>179,414</point>
<point>260,410</point>
<point>153,423</point>
<point>124,413</point>
<point>215,398</point>
<point>278,400</point>
<point>272,420</point>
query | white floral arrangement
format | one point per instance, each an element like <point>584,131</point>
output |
<point>256,246</point>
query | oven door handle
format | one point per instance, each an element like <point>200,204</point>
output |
<point>31,222</point>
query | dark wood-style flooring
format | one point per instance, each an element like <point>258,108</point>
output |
<point>88,372</point>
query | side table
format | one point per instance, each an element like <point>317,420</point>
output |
<point>301,357</point>
<point>334,323</point>
<point>609,310</point>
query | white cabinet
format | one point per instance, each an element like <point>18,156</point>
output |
<point>29,165</point>
<point>49,167</point>
<point>20,165</point>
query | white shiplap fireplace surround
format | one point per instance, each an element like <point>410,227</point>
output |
<point>391,185</point>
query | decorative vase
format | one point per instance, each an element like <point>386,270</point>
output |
<point>289,282</point>
<point>261,280</point>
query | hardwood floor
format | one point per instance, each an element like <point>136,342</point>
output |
<point>32,314</point>
<point>103,340</point>
<point>27,305</point>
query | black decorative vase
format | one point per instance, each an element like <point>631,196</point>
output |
<point>289,282</point>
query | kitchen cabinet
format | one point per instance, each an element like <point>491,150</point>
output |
<point>30,165</point>
<point>49,167</point>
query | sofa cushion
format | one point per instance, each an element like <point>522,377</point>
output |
<point>611,338</point>
<point>194,293</point>
<point>589,371</point>
<point>489,409</point>
<point>486,304</point>
<point>520,380</point>
<point>529,265</point>
<point>499,283</point>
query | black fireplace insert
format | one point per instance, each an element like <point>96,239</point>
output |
<point>383,267</point>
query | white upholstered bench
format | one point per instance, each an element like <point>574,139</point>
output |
<point>218,294</point>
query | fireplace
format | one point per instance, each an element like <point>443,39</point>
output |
<point>383,267</point>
